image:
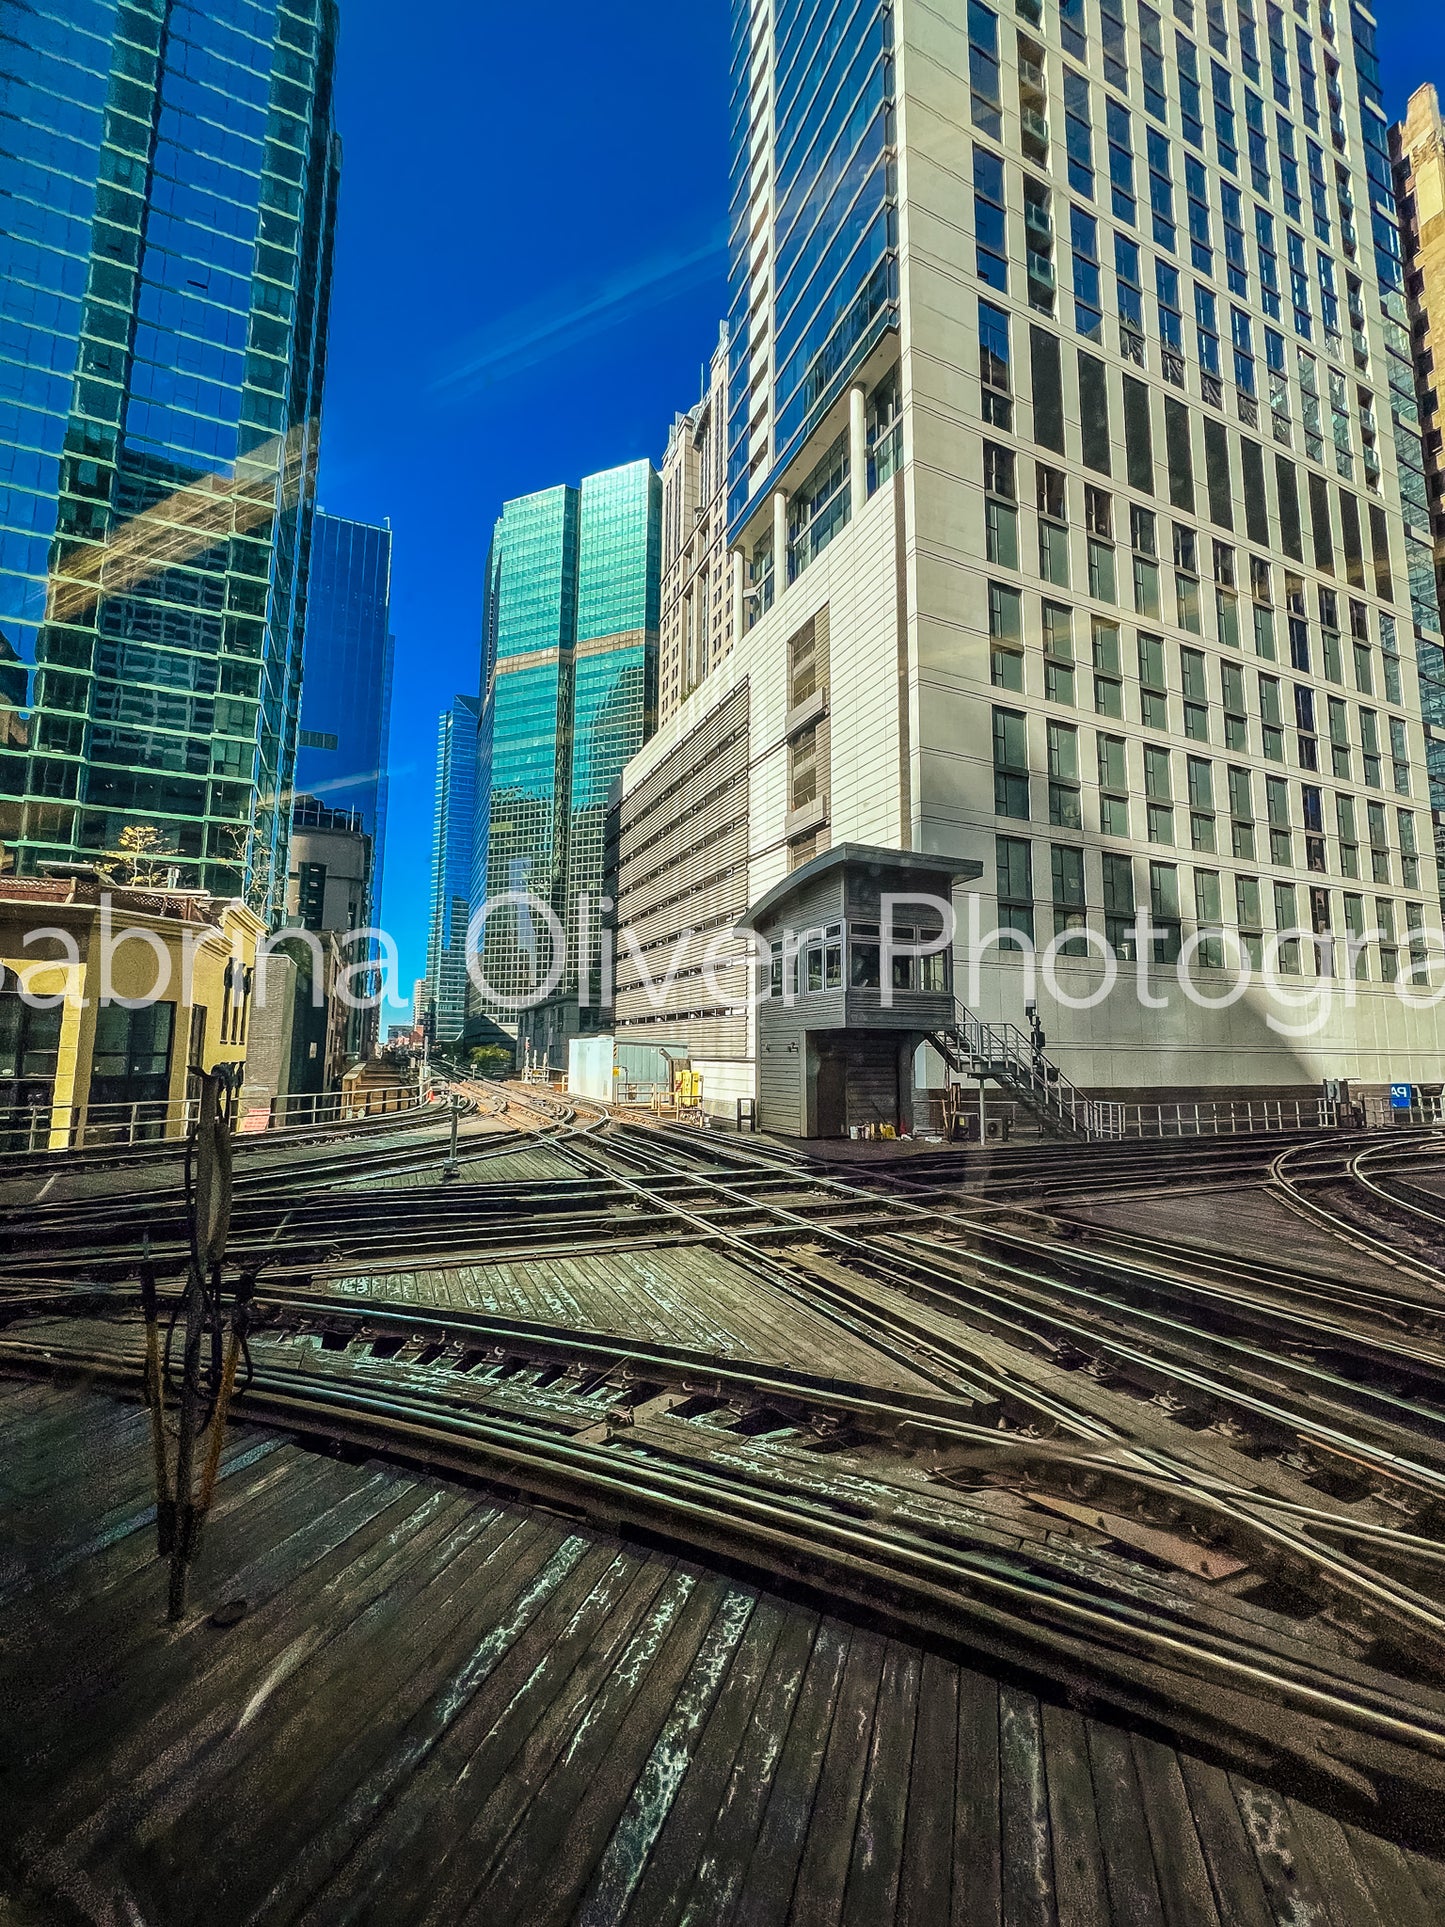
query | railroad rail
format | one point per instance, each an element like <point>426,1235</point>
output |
<point>1209,1485</point>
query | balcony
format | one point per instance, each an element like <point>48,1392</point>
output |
<point>1035,131</point>
<point>812,709</point>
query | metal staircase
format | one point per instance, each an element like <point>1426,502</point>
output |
<point>1003,1054</point>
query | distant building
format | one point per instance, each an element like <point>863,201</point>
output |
<point>171,177</point>
<point>346,696</point>
<point>1418,144</point>
<point>95,1053</point>
<point>570,683</point>
<point>329,896</point>
<point>697,588</point>
<point>452,858</point>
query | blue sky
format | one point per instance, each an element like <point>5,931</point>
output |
<point>529,277</point>
<point>527,285</point>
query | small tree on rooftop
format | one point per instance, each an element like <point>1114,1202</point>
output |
<point>140,859</point>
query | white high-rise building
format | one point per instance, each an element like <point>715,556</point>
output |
<point>1073,502</point>
<point>697,622</point>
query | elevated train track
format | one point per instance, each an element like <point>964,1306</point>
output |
<point>1203,1489</point>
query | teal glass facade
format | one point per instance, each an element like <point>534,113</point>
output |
<point>170,176</point>
<point>452,858</point>
<point>570,668</point>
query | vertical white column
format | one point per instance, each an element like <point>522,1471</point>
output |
<point>739,589</point>
<point>858,447</point>
<point>780,544</point>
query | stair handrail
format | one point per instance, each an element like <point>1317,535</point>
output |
<point>1048,1088</point>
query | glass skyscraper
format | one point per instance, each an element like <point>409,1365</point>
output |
<point>452,857</point>
<point>570,673</point>
<point>169,180</point>
<point>346,705</point>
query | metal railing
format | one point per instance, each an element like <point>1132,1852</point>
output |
<point>28,1129</point>
<point>1237,1117</point>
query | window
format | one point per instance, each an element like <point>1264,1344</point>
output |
<point>1053,529</point>
<point>1158,789</point>
<point>819,509</point>
<point>1201,239</point>
<point>1419,951</point>
<point>1171,321</point>
<point>1186,579</point>
<point>1201,803</point>
<point>1120,906</point>
<point>1272,718</point>
<point>989,221</point>
<point>1066,866</point>
<point>1409,849</point>
<point>1226,127</point>
<point>1161,191</point>
<point>1116,48</point>
<point>1146,576</point>
<point>1014,862</point>
<point>1370,747</point>
<point>1236,258</point>
<point>1281,841</point>
<point>995,365</point>
<point>1196,695</point>
<point>1099,520</point>
<point>1078,133</point>
<point>1286,923</point>
<point>1001,517</point>
<point>1208,917</point>
<point>1113,786</point>
<point>1400,756</point>
<point>1250,917</point>
<point>1154,705</point>
<point>1130,291</point>
<point>1347,828</point>
<point>983,69</point>
<point>1005,632</point>
<point>1379,842</point>
<point>1304,716</point>
<point>1088,300</point>
<point>1241,812</point>
<point>1385,925</point>
<point>1339,727</point>
<point>1355,933</point>
<point>1011,763</point>
<point>131,1063</point>
<point>1236,721</point>
<point>1164,911</point>
<point>1121,163</point>
<point>1226,609</point>
<point>1065,812</point>
<point>1073,29</point>
<point>1058,653</point>
<point>1313,810</point>
<point>1151,37</point>
<point>1108,675</point>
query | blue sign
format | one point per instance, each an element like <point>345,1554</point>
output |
<point>1402,1097</point>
